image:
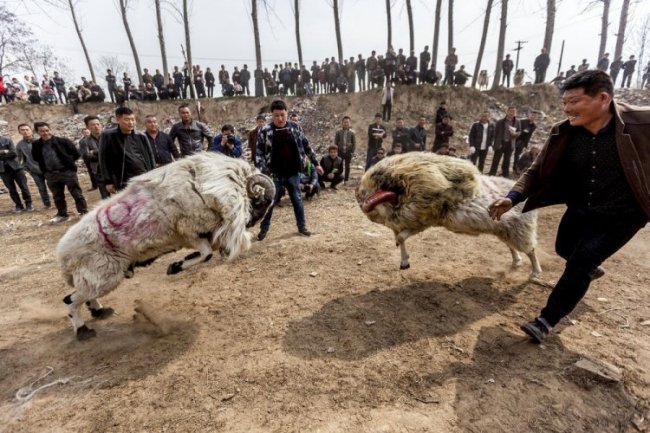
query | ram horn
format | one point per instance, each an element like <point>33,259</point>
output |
<point>262,181</point>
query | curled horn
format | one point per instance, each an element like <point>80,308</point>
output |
<point>262,181</point>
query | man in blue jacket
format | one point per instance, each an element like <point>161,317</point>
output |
<point>227,142</point>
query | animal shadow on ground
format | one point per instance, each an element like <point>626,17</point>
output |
<point>121,352</point>
<point>510,385</point>
<point>357,326</point>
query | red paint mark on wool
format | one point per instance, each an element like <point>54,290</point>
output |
<point>127,221</point>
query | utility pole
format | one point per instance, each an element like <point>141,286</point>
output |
<point>518,49</point>
<point>559,64</point>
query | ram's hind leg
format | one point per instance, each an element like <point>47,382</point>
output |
<point>97,311</point>
<point>400,240</point>
<point>203,254</point>
<point>74,301</point>
<point>516,257</point>
<point>537,268</point>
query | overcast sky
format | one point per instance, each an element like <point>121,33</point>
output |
<point>222,31</point>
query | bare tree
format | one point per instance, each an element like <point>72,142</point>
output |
<point>481,49</point>
<point>256,33</point>
<point>117,66</point>
<point>296,14</point>
<point>620,36</point>
<point>502,42</point>
<point>161,39</point>
<point>643,33</point>
<point>337,29</point>
<point>450,26</point>
<point>409,13</point>
<point>604,23</point>
<point>436,34</point>
<point>188,54</point>
<point>390,25</point>
<point>550,24</point>
<point>124,6</point>
<point>13,33</point>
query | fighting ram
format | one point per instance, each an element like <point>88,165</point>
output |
<point>411,192</point>
<point>203,202</point>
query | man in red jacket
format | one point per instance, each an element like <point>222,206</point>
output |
<point>597,162</point>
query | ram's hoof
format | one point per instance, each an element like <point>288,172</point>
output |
<point>174,268</point>
<point>102,313</point>
<point>128,273</point>
<point>406,266</point>
<point>85,333</point>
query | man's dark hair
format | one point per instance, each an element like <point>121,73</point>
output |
<point>87,119</point>
<point>378,115</point>
<point>591,81</point>
<point>381,149</point>
<point>400,118</point>
<point>346,117</point>
<point>180,107</point>
<point>333,147</point>
<point>123,111</point>
<point>398,144</point>
<point>227,127</point>
<point>21,125</point>
<point>278,104</point>
<point>260,117</point>
<point>39,124</point>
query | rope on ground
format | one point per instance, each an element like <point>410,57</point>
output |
<point>26,393</point>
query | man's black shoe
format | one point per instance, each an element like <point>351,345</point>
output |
<point>535,330</point>
<point>304,232</point>
<point>261,235</point>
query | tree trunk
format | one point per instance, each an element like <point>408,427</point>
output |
<point>502,42</point>
<point>337,28</point>
<point>450,21</point>
<point>256,34</point>
<point>436,34</point>
<point>296,11</point>
<point>550,25</point>
<point>620,37</point>
<point>390,26</point>
<point>409,12</point>
<point>136,58</point>
<point>81,39</point>
<point>190,71</point>
<point>161,40</point>
<point>486,24</point>
<point>604,24</point>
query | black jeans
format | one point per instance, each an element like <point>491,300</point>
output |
<point>292,184</point>
<point>504,151</point>
<point>39,180</point>
<point>387,108</point>
<point>586,240</point>
<point>333,182</point>
<point>347,160</point>
<point>13,179</point>
<point>58,181</point>
<point>506,77</point>
<point>479,155</point>
<point>519,148</point>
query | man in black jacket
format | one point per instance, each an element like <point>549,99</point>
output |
<point>56,157</point>
<point>332,166</point>
<point>506,66</point>
<point>24,151</point>
<point>164,149</point>
<point>376,135</point>
<point>418,135</point>
<point>541,65</point>
<point>89,149</point>
<point>481,138</point>
<point>190,133</point>
<point>346,143</point>
<point>123,152</point>
<point>506,132</point>
<point>12,174</point>
<point>528,127</point>
<point>111,83</point>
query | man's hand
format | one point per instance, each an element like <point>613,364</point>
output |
<point>330,176</point>
<point>499,207</point>
<point>320,170</point>
<point>309,187</point>
<point>111,189</point>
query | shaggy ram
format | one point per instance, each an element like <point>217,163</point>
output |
<point>201,202</point>
<point>411,192</point>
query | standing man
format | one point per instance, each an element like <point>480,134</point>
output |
<point>387,100</point>
<point>56,157</point>
<point>418,135</point>
<point>481,138</point>
<point>528,127</point>
<point>123,152</point>
<point>506,66</point>
<point>628,70</point>
<point>281,150</point>
<point>615,68</point>
<point>444,131</point>
<point>360,66</point>
<point>541,65</point>
<point>24,151</point>
<point>89,148</point>
<point>209,82</point>
<point>603,62</point>
<point>372,64</point>
<point>596,163</point>
<point>450,66</point>
<point>401,134</point>
<point>346,143</point>
<point>164,150</point>
<point>244,79</point>
<point>179,79</point>
<point>59,85</point>
<point>13,175</point>
<point>190,133</point>
<point>425,58</point>
<point>506,132</point>
<point>252,137</point>
<point>376,135</point>
<point>111,83</point>
<point>259,82</point>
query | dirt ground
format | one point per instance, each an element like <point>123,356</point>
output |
<point>322,334</point>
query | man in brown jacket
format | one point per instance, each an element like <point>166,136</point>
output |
<point>597,162</point>
<point>252,136</point>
